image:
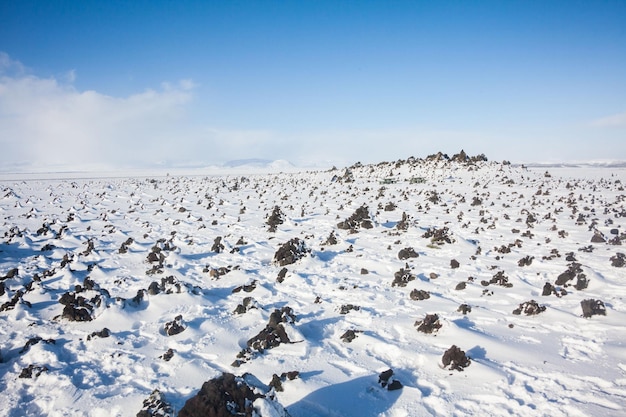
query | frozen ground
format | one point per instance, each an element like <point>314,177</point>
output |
<point>89,249</point>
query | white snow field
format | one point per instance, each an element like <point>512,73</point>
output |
<point>92,271</point>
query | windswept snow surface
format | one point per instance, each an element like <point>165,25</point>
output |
<point>93,238</point>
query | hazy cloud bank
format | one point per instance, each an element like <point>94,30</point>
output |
<point>47,122</point>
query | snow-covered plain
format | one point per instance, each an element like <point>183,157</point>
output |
<point>511,230</point>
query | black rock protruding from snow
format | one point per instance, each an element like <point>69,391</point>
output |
<point>464,309</point>
<point>291,251</point>
<point>78,308</point>
<point>350,335</point>
<point>455,359</point>
<point>419,295</point>
<point>402,277</point>
<point>386,380</point>
<point>247,304</point>
<point>175,326</point>
<point>529,308</point>
<point>277,381</point>
<point>217,247</point>
<point>429,324</point>
<point>270,337</point>
<point>438,236</point>
<point>618,260</point>
<point>33,371</point>
<point>281,275</point>
<point>593,307</point>
<point>360,219</point>
<point>275,219</point>
<point>407,253</point>
<point>102,334</point>
<point>229,395</point>
<point>156,406</point>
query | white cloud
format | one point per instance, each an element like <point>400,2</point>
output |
<point>616,120</point>
<point>8,65</point>
<point>45,123</point>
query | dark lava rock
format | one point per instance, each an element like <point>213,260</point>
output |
<point>548,289</point>
<point>11,274</point>
<point>156,406</point>
<point>619,260</point>
<point>530,308</point>
<point>33,341</point>
<point>246,288</point>
<point>429,324</point>
<point>276,218</point>
<point>499,278</point>
<point>168,355</point>
<point>404,223</point>
<point>246,305</point>
<point>386,381</point>
<point>402,277</point>
<point>331,240</point>
<point>281,275</point>
<point>228,396</point>
<point>17,297</point>
<point>460,286</point>
<point>276,383</point>
<point>455,359</point>
<point>525,261</point>
<point>593,307</point>
<point>438,236</point>
<point>33,371</point>
<point>598,238</point>
<point>153,288</point>
<point>78,308</point>
<point>346,308</point>
<point>572,272</point>
<point>360,219</point>
<point>350,335</point>
<point>102,333</point>
<point>419,295</point>
<point>582,282</point>
<point>224,396</point>
<point>270,337</point>
<point>217,247</point>
<point>290,252</point>
<point>464,308</point>
<point>454,264</point>
<point>175,326</point>
<point>407,253</point>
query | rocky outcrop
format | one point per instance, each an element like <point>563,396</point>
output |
<point>156,406</point>
<point>229,395</point>
<point>270,337</point>
<point>360,219</point>
<point>290,252</point>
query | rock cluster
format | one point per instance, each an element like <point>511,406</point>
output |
<point>229,395</point>
<point>360,219</point>
<point>270,337</point>
<point>291,251</point>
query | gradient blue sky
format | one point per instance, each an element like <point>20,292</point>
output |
<point>95,84</point>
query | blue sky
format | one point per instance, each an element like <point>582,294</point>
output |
<point>95,85</point>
